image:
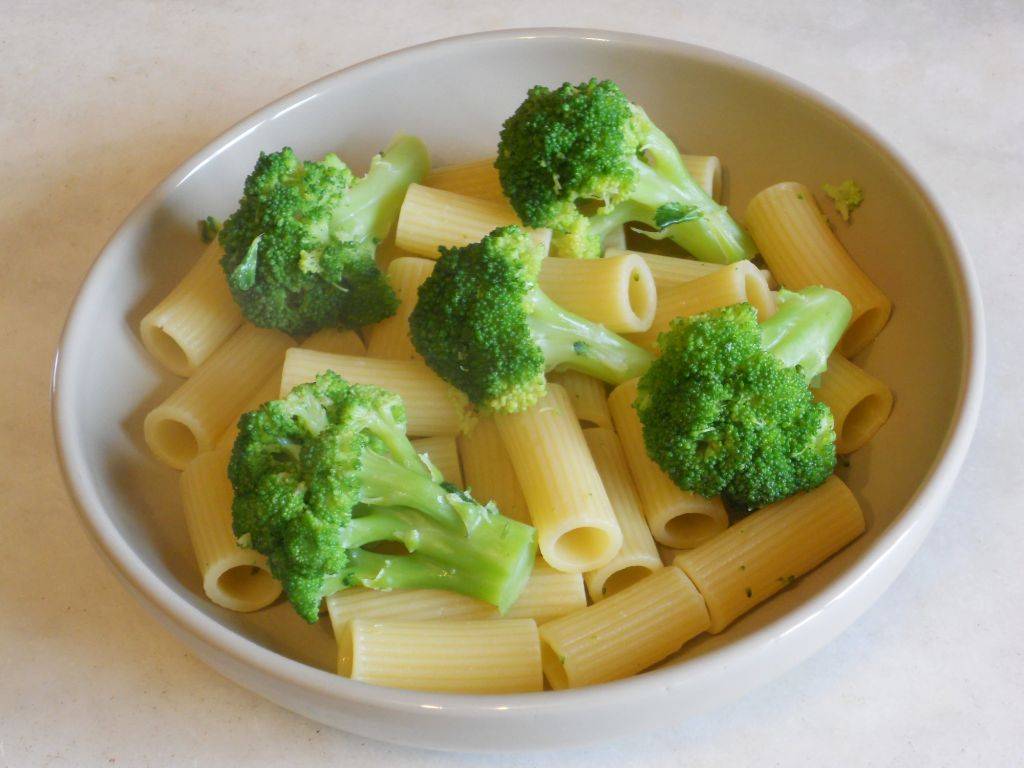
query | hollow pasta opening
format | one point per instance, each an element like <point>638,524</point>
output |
<point>690,529</point>
<point>642,296</point>
<point>554,670</point>
<point>165,349</point>
<point>248,585</point>
<point>583,545</point>
<point>862,330</point>
<point>861,423</point>
<point>625,577</point>
<point>175,440</point>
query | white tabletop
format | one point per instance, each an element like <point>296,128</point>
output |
<point>98,101</point>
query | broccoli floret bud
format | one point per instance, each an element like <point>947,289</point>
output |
<point>727,410</point>
<point>299,251</point>
<point>485,327</point>
<point>581,159</point>
<point>327,470</point>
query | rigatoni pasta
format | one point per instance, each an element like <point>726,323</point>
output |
<point>624,634</point>
<point>771,548</point>
<point>677,518</point>
<point>233,577</point>
<point>860,403</point>
<point>617,291</point>
<point>432,407</point>
<point>475,179</point>
<point>195,415</point>
<point>576,526</point>
<point>669,271</point>
<point>488,470</point>
<point>589,397</point>
<point>390,337</point>
<point>194,319</point>
<point>706,170</point>
<point>431,218</point>
<point>801,250</point>
<point>443,454</point>
<point>638,555</point>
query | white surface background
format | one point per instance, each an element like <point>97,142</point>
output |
<point>98,101</point>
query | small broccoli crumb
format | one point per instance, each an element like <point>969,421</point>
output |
<point>561,659</point>
<point>209,228</point>
<point>750,592</point>
<point>581,348</point>
<point>787,580</point>
<point>846,197</point>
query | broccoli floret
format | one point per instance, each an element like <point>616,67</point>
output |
<point>485,327</point>
<point>727,410</point>
<point>846,197</point>
<point>299,251</point>
<point>209,228</point>
<point>327,470</point>
<point>582,160</point>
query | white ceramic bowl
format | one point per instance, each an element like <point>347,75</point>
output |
<point>455,93</point>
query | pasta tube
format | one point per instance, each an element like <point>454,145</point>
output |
<point>443,454</point>
<point>625,633</point>
<point>233,577</point>
<point>488,470</point>
<point>617,292</point>
<point>431,218</point>
<point>477,179</point>
<point>771,548</point>
<point>706,170</point>
<point>198,412</point>
<point>194,319</point>
<point>431,406</point>
<point>638,556</point>
<point>451,656</point>
<point>732,284</point>
<point>589,397</point>
<point>801,250</point>
<point>859,402</point>
<point>669,271</point>
<point>677,518</point>
<point>390,337</point>
<point>576,526</point>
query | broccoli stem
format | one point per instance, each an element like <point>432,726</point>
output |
<point>806,328</point>
<point>372,204</point>
<point>491,563</point>
<point>570,342</point>
<point>387,483</point>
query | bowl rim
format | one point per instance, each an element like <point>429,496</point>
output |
<point>917,515</point>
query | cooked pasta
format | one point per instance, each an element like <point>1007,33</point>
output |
<point>669,271</point>
<point>616,291</point>
<point>589,397</point>
<point>432,217</point>
<point>432,407</point>
<point>860,403</point>
<point>576,526</point>
<point>801,250</point>
<point>731,284</point>
<point>625,633</point>
<point>547,595</point>
<point>443,454</point>
<point>706,170</point>
<point>195,415</point>
<point>450,656</point>
<point>771,548</point>
<point>677,518</point>
<point>390,337</point>
<point>638,555</point>
<point>233,577</point>
<point>194,319</point>
<point>476,179</point>
<point>488,471</point>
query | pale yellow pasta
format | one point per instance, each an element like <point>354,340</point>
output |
<point>450,656</point>
<point>390,337</point>
<point>618,291</point>
<point>771,548</point>
<point>233,577</point>
<point>677,518</point>
<point>732,284</point>
<point>669,271</point>
<point>431,406</point>
<point>801,250</point>
<point>547,595</point>
<point>706,170</point>
<point>443,454</point>
<point>488,471</point>
<point>476,179</point>
<point>589,397</point>
<point>194,319</point>
<point>615,239</point>
<point>336,342</point>
<point>432,217</point>
<point>196,414</point>
<point>859,402</point>
<point>638,556</point>
<point>576,526</point>
<point>625,633</point>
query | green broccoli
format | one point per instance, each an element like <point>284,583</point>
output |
<point>845,197</point>
<point>209,228</point>
<point>327,470</point>
<point>299,251</point>
<point>582,160</point>
<point>484,326</point>
<point>727,410</point>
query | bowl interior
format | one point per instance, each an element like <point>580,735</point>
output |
<point>455,97</point>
